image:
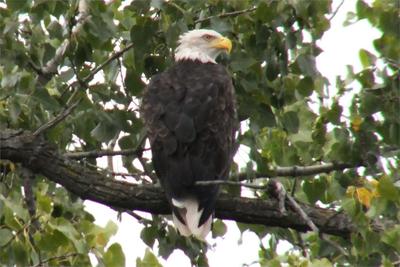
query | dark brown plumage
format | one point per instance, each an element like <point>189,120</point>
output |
<point>189,112</point>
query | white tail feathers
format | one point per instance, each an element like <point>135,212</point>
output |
<point>190,213</point>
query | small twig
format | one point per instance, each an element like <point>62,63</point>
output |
<point>301,244</point>
<point>171,3</point>
<point>111,146</point>
<point>105,63</point>
<point>21,230</point>
<point>60,117</point>
<point>334,244</point>
<point>102,153</point>
<point>59,258</point>
<point>133,214</point>
<point>146,170</point>
<point>294,186</point>
<point>137,216</point>
<point>28,176</point>
<point>228,14</point>
<point>277,190</point>
<point>336,11</point>
<point>52,64</point>
<point>126,174</point>
<point>396,263</point>
<point>231,183</point>
<point>293,203</point>
<point>121,76</point>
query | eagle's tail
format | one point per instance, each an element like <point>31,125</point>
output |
<point>189,211</point>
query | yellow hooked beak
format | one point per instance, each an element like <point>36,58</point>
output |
<point>223,43</point>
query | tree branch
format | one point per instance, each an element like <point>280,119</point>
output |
<point>298,171</point>
<point>30,196</point>
<point>34,153</point>
<point>336,11</point>
<point>228,14</point>
<point>56,258</point>
<point>52,65</point>
<point>293,171</point>
<point>105,63</point>
<point>60,117</point>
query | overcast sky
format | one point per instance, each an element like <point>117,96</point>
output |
<point>341,45</point>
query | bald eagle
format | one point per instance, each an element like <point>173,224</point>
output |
<point>190,115</point>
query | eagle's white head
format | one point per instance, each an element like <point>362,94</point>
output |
<point>202,45</point>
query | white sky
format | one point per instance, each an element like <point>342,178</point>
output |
<point>341,46</point>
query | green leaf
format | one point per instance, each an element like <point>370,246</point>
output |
<point>14,203</point>
<point>334,113</point>
<point>306,86</point>
<point>5,236</point>
<point>19,253</point>
<point>148,260</point>
<point>273,263</point>
<point>110,229</point>
<point>370,104</point>
<point>263,117</point>
<point>220,25</point>
<point>307,65</point>
<point>363,10</point>
<point>114,257</point>
<point>49,240</point>
<point>149,235</point>
<point>55,29</point>
<point>70,232</point>
<point>291,121</point>
<point>387,189</point>
<point>134,82</point>
<point>16,4</point>
<point>218,229</point>
<point>265,12</point>
<point>367,59</point>
<point>44,203</point>
<point>141,35</point>
<point>321,263</point>
<point>103,132</point>
<point>315,189</point>
<point>241,62</point>
<point>392,237</point>
<point>258,229</point>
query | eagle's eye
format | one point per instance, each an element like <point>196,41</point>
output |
<point>208,37</point>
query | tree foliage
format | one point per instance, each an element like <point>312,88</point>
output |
<point>72,74</point>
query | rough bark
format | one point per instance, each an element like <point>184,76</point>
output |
<point>38,155</point>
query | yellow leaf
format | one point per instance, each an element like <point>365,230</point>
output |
<point>12,167</point>
<point>356,123</point>
<point>373,182</point>
<point>101,240</point>
<point>350,191</point>
<point>364,196</point>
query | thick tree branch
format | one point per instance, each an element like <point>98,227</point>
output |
<point>36,154</point>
